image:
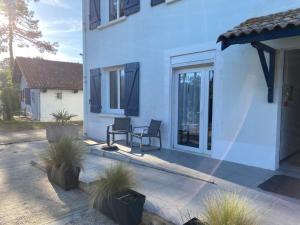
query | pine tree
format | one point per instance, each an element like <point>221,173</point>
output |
<point>19,28</point>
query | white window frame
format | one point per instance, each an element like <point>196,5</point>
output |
<point>118,11</point>
<point>119,72</point>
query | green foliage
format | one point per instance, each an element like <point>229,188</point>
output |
<point>117,178</point>
<point>5,78</point>
<point>228,209</point>
<point>62,117</point>
<point>66,153</point>
<point>9,96</point>
<point>19,28</point>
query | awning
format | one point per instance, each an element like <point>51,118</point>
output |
<point>274,26</point>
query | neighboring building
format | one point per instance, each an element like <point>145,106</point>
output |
<point>159,59</point>
<point>48,86</point>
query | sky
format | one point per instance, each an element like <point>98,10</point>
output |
<point>60,21</point>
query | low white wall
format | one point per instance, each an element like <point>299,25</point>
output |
<point>72,102</point>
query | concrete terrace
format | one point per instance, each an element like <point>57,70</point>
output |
<point>174,189</point>
<point>176,184</point>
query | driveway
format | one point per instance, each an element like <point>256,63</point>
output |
<point>26,196</point>
<point>22,136</point>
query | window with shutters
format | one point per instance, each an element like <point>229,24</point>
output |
<point>116,9</point>
<point>116,90</point>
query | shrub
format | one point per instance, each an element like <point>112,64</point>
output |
<point>62,117</point>
<point>9,97</point>
<point>66,153</point>
<point>117,179</point>
<point>228,209</point>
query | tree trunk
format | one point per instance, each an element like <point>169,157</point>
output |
<point>10,43</point>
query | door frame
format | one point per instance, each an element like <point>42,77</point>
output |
<point>281,78</point>
<point>204,94</point>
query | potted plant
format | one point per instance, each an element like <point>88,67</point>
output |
<point>226,209</point>
<point>194,221</point>
<point>114,197</point>
<point>63,127</point>
<point>63,162</point>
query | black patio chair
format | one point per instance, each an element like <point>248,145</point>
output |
<point>151,131</point>
<point>121,126</point>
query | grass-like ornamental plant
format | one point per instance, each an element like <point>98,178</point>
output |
<point>65,152</point>
<point>117,178</point>
<point>114,197</point>
<point>228,209</point>
<point>63,162</point>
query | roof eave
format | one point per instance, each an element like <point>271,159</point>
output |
<point>256,37</point>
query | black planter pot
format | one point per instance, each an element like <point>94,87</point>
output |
<point>66,178</point>
<point>194,221</point>
<point>125,208</point>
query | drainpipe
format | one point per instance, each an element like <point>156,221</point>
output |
<point>85,102</point>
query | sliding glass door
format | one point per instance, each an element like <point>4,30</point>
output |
<point>193,109</point>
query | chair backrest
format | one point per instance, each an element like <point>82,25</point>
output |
<point>122,123</point>
<point>154,127</point>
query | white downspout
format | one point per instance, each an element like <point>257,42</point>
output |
<point>85,95</point>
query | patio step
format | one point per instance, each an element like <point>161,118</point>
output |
<point>151,162</point>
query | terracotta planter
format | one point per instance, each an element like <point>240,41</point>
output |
<point>125,208</point>
<point>55,132</point>
<point>66,178</point>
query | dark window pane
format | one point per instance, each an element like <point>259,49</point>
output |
<point>189,109</point>
<point>122,90</point>
<point>121,7</point>
<point>210,109</point>
<point>113,9</point>
<point>113,89</point>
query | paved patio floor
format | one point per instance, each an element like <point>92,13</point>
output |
<point>26,196</point>
<point>174,195</point>
<point>22,136</point>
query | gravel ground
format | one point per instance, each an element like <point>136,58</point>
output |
<point>26,196</point>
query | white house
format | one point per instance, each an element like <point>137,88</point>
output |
<point>234,100</point>
<point>48,86</point>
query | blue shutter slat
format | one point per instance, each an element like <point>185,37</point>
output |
<point>95,17</point>
<point>132,89</point>
<point>156,2</point>
<point>131,7</point>
<point>95,91</point>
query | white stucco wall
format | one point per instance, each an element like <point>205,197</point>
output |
<point>72,102</point>
<point>245,125</point>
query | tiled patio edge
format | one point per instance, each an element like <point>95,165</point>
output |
<point>177,170</point>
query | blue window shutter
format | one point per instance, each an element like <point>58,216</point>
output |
<point>95,17</point>
<point>95,90</point>
<point>156,2</point>
<point>27,96</point>
<point>132,89</point>
<point>131,7</point>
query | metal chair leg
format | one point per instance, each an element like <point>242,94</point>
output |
<point>113,138</point>
<point>107,139</point>
<point>127,139</point>
<point>159,141</point>
<point>141,144</point>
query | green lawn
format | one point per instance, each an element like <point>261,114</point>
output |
<point>21,125</point>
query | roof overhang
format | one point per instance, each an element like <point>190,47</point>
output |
<point>274,26</point>
<point>264,28</point>
<point>257,37</point>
